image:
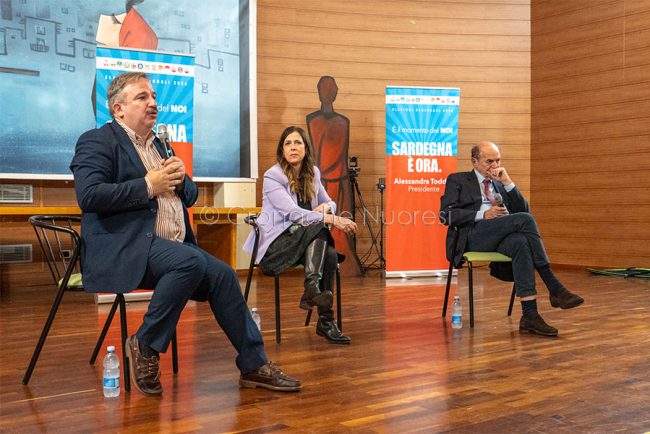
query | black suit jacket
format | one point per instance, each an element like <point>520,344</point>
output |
<point>118,218</point>
<point>459,205</point>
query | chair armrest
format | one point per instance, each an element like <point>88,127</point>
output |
<point>251,219</point>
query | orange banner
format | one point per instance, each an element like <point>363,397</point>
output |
<point>183,150</point>
<point>421,150</point>
<point>415,239</point>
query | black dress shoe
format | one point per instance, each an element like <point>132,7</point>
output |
<point>271,377</point>
<point>535,324</point>
<point>565,299</point>
<point>145,371</point>
<point>330,331</point>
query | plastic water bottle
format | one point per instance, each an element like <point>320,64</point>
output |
<point>111,373</point>
<point>256,317</point>
<point>456,313</point>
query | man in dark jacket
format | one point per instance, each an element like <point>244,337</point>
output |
<point>490,214</point>
<point>135,232</point>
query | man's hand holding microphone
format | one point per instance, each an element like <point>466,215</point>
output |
<point>168,177</point>
<point>498,210</point>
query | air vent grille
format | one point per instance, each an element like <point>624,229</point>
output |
<point>16,193</point>
<point>13,253</point>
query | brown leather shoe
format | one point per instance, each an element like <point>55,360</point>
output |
<point>535,324</point>
<point>271,377</point>
<point>145,371</point>
<point>565,299</point>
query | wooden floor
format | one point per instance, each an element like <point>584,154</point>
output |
<point>406,370</point>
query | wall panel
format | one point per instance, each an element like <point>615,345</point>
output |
<point>483,47</point>
<point>590,148</point>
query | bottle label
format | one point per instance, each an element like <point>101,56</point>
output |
<point>456,319</point>
<point>111,383</point>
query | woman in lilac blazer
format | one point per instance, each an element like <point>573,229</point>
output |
<point>296,212</point>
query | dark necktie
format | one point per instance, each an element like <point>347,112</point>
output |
<point>488,195</point>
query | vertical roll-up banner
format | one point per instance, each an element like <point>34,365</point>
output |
<point>421,151</point>
<point>172,78</point>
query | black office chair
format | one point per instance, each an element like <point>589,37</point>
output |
<point>252,220</point>
<point>60,243</point>
<point>470,258</point>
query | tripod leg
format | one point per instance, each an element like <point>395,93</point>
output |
<point>373,236</point>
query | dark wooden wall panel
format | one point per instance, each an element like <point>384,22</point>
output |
<point>590,152</point>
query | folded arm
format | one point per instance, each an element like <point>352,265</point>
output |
<point>455,208</point>
<point>515,201</point>
<point>94,165</point>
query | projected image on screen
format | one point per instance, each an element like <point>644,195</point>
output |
<point>47,70</point>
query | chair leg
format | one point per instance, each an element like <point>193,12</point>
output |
<point>444,305</point>
<point>102,335</point>
<point>249,278</point>
<point>471,294</point>
<point>277,309</point>
<point>339,318</point>
<point>175,353</point>
<point>512,300</point>
<point>46,330</point>
<point>308,317</point>
<point>127,374</point>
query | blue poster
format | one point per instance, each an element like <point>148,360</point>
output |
<point>171,76</point>
<point>416,116</point>
<point>47,76</point>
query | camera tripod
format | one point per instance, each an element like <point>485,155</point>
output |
<point>377,243</point>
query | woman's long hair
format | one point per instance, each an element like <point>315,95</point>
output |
<point>302,185</point>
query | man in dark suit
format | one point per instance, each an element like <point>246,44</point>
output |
<point>135,232</point>
<point>490,214</point>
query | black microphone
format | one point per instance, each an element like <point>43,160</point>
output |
<point>163,136</point>
<point>498,199</point>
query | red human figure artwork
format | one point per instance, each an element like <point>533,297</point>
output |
<point>129,30</point>
<point>136,32</point>
<point>329,133</point>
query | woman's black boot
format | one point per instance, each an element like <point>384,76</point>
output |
<point>327,327</point>
<point>314,262</point>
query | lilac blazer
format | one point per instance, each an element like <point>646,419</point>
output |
<point>280,209</point>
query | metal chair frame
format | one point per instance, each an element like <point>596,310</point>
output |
<point>252,221</point>
<point>62,265</point>
<point>470,282</point>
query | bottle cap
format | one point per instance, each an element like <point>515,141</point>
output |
<point>110,349</point>
<point>254,309</point>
